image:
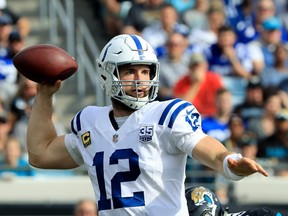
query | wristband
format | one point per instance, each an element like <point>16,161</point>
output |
<point>228,173</point>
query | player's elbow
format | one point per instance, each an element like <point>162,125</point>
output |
<point>36,161</point>
<point>37,157</point>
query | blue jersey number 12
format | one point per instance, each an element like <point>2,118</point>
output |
<point>118,201</point>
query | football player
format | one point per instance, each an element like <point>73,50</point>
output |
<point>202,201</point>
<point>135,150</point>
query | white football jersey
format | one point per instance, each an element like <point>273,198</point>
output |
<point>140,168</point>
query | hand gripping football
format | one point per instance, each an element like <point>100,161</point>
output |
<point>44,63</point>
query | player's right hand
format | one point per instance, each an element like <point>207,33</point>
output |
<point>48,89</point>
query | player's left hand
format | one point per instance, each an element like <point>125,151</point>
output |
<point>245,167</point>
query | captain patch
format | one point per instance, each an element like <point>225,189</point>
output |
<point>86,139</point>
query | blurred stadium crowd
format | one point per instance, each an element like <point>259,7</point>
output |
<point>228,57</point>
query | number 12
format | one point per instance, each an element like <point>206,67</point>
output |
<point>118,201</point>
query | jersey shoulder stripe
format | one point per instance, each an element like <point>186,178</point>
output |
<point>176,112</point>
<point>167,109</point>
<point>72,127</point>
<point>88,117</point>
<point>77,123</point>
<point>172,110</point>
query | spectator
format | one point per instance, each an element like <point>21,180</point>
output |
<point>264,126</point>
<point>5,30</point>
<point>249,18</point>
<point>278,72</point>
<point>217,125</point>
<point>12,162</point>
<point>196,17</point>
<point>8,73</point>
<point>266,9</point>
<point>5,128</point>
<point>247,23</point>
<point>199,86</point>
<point>240,139</point>
<point>252,107</point>
<point>203,38</point>
<point>115,12</point>
<point>157,33</point>
<point>15,44</point>
<point>243,22</point>
<point>173,65</point>
<point>8,79</point>
<point>22,102</point>
<point>269,38</point>
<point>227,57</point>
<point>276,146</point>
<point>85,207</point>
<point>20,22</point>
<point>141,15</point>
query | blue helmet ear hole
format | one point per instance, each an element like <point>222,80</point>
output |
<point>208,199</point>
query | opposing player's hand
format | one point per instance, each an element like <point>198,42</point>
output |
<point>48,89</point>
<point>245,167</point>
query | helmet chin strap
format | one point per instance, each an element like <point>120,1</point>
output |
<point>135,103</point>
<point>119,104</point>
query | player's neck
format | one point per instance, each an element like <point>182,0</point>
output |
<point>121,113</point>
<point>117,122</point>
<point>120,109</point>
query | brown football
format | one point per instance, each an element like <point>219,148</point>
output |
<point>45,63</point>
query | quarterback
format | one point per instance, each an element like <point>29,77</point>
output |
<point>134,150</point>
